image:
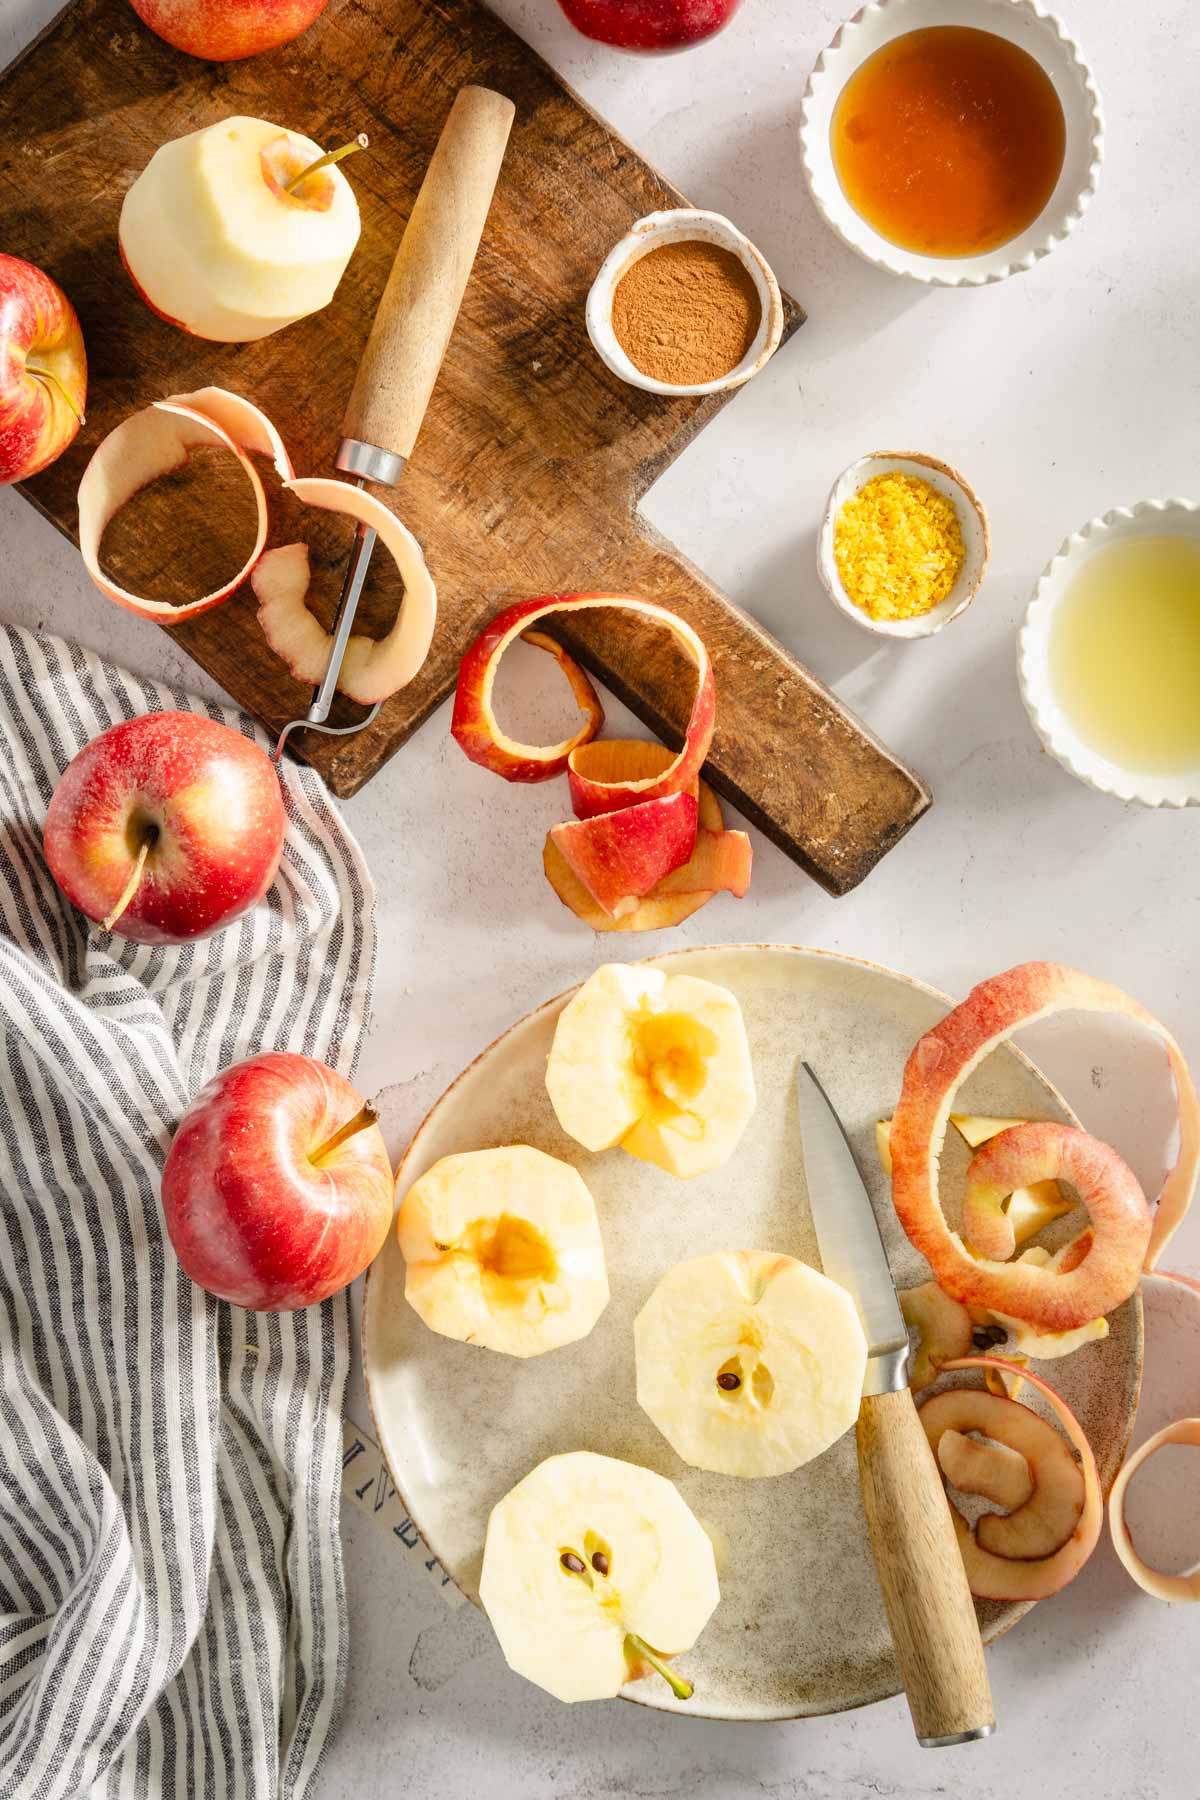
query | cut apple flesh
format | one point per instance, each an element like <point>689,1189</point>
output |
<point>749,1363</point>
<point>503,1249</point>
<point>153,443</point>
<point>373,669</point>
<point>1035,1550</point>
<point>621,856</point>
<point>943,1328</point>
<point>1124,1236</point>
<point>587,1560</point>
<point>479,735</point>
<point>656,1063</point>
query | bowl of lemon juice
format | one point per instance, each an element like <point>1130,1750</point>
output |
<point>1109,654</point>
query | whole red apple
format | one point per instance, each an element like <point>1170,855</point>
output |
<point>166,827</point>
<point>649,24</point>
<point>277,1189</point>
<point>43,370</point>
<point>227,30</point>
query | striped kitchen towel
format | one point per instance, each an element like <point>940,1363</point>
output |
<point>171,1606</point>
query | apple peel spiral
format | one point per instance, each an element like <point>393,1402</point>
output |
<point>1124,1237</point>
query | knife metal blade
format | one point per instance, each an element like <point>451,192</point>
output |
<point>852,1252</point>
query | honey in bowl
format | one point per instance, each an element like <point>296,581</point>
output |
<point>949,141</point>
<point>1124,654</point>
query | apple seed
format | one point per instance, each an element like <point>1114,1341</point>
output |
<point>569,1560</point>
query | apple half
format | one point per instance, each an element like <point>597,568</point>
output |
<point>373,668</point>
<point>1124,1237</point>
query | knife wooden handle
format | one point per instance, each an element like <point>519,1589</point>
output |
<point>929,1606</point>
<point>420,303</point>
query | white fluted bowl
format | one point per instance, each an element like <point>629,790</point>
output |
<point>1150,518</point>
<point>1023,22</point>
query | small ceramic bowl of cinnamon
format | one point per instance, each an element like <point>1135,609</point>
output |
<point>685,304</point>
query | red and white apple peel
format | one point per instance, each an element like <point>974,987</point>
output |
<point>1125,1237</point>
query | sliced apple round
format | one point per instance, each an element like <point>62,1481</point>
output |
<point>749,1363</point>
<point>503,1249</point>
<point>656,1063</point>
<point>373,669</point>
<point>593,1568</point>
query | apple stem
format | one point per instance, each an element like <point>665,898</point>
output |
<point>131,886</point>
<point>48,375</point>
<point>682,1690</point>
<point>360,1121</point>
<point>323,162</point>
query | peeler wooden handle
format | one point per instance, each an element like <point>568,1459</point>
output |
<point>420,303</point>
<point>929,1605</point>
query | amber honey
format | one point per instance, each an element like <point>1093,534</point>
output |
<point>949,141</point>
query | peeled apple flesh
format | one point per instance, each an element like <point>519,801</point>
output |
<point>749,1363</point>
<point>503,1249</point>
<point>646,1567</point>
<point>657,1063</point>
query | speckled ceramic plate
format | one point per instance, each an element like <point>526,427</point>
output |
<point>800,1629</point>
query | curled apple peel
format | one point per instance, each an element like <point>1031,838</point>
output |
<point>155,442</point>
<point>478,733</point>
<point>1152,1581</point>
<point>373,668</point>
<point>988,1468</point>
<point>1124,1236</point>
<point>1013,1556</point>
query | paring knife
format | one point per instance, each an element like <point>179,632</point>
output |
<point>929,1606</point>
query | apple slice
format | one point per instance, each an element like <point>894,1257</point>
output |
<point>1124,1236</point>
<point>621,856</point>
<point>656,1063</point>
<point>147,445</point>
<point>943,1328</point>
<point>373,669</point>
<point>503,1249</point>
<point>592,1569</point>
<point>748,1362</point>
<point>478,733</point>
<point>1014,1567</point>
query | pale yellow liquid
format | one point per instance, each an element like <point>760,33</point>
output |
<point>1125,653</point>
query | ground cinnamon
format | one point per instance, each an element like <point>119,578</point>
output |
<point>686,312</point>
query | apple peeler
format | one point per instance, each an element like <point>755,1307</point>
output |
<point>412,328</point>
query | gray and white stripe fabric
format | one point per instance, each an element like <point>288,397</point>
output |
<point>171,1605</point>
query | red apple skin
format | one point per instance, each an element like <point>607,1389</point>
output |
<point>144,296</point>
<point>253,1219</point>
<point>211,796</point>
<point>38,331</point>
<point>227,30</point>
<point>649,25</point>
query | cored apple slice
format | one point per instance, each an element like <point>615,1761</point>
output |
<point>479,735</point>
<point>1002,1556</point>
<point>147,445</point>
<point>1124,1236</point>
<point>373,668</point>
<point>621,856</point>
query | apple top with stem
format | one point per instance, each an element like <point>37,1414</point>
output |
<point>43,370</point>
<point>166,827</point>
<point>298,179</point>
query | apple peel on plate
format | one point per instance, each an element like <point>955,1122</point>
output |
<point>1037,1548</point>
<point>373,668</point>
<point>1125,1237</point>
<point>155,442</point>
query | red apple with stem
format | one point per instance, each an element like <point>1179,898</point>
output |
<point>277,1189</point>
<point>43,370</point>
<point>166,827</point>
<point>227,30</point>
<point>650,25</point>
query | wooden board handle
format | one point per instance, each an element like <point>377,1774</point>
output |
<point>929,1605</point>
<point>429,276</point>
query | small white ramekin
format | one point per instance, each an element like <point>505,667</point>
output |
<point>971,517</point>
<point>680,226</point>
<point>1150,518</point>
<point>1023,22</point>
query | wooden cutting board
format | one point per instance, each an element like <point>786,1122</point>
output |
<point>533,458</point>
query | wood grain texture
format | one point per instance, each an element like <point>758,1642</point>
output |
<point>929,1605</point>
<point>532,458</point>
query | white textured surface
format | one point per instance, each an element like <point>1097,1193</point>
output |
<point>1059,394</point>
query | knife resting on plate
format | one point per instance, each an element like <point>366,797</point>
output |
<point>929,1605</point>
